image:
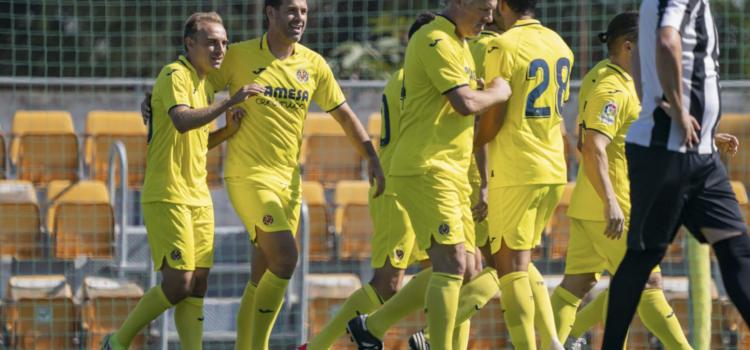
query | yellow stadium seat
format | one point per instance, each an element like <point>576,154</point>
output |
<point>44,146</point>
<point>106,304</point>
<point>103,128</point>
<point>321,244</point>
<point>19,220</point>
<point>738,166</point>
<point>3,157</point>
<point>327,294</point>
<point>215,163</point>
<point>374,128</point>
<point>558,227</point>
<point>328,156</point>
<point>40,313</point>
<point>352,219</point>
<point>80,220</point>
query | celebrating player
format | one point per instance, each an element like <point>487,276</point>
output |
<point>430,166</point>
<point>600,204</point>
<point>393,238</point>
<point>527,162</point>
<point>675,171</point>
<point>176,202</point>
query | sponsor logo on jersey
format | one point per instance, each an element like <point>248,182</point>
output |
<point>609,112</point>
<point>267,220</point>
<point>399,254</point>
<point>302,75</point>
<point>444,229</point>
<point>290,94</point>
<point>435,43</point>
<point>260,70</point>
<point>176,255</point>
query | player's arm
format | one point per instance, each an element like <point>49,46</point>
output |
<point>480,210</point>
<point>596,165</point>
<point>234,115</point>
<point>361,142</point>
<point>186,119</point>
<point>489,125</point>
<point>468,102</point>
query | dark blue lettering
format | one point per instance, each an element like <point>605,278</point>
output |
<point>279,93</point>
<point>269,91</point>
<point>291,93</point>
<point>304,96</point>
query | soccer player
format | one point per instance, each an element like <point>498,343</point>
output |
<point>676,174</point>
<point>176,202</point>
<point>393,238</point>
<point>527,162</point>
<point>430,167</point>
<point>600,204</point>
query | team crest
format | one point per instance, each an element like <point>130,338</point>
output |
<point>444,229</point>
<point>176,255</point>
<point>609,113</point>
<point>399,254</point>
<point>267,220</point>
<point>302,75</point>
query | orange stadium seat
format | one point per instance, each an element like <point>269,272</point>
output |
<point>106,304</point>
<point>741,193</point>
<point>3,158</point>
<point>19,220</point>
<point>738,166</point>
<point>558,227</point>
<point>327,294</point>
<point>40,313</point>
<point>374,128</point>
<point>321,240</point>
<point>352,219</point>
<point>80,220</point>
<point>328,155</point>
<point>103,128</point>
<point>44,146</point>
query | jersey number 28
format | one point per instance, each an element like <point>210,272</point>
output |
<point>562,73</point>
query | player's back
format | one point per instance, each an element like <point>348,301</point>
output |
<point>529,147</point>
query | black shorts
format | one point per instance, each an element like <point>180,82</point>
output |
<point>670,189</point>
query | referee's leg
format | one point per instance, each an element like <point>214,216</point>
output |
<point>733,252</point>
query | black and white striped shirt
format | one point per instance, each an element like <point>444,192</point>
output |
<point>700,78</point>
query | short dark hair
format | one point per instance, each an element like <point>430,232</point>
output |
<point>191,25</point>
<point>422,19</point>
<point>624,27</point>
<point>524,7</point>
<point>273,3</point>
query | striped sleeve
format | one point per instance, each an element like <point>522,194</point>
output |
<point>672,13</point>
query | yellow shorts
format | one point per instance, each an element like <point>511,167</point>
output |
<point>520,213</point>
<point>438,207</point>
<point>589,251</point>
<point>482,228</point>
<point>393,237</point>
<point>269,205</point>
<point>182,234</point>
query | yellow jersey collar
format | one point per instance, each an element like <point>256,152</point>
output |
<point>619,70</point>
<point>264,44</point>
<point>182,59</point>
<point>526,22</point>
<point>445,24</point>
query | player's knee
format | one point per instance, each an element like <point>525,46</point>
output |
<point>285,263</point>
<point>579,285</point>
<point>177,289</point>
<point>200,286</point>
<point>654,281</point>
<point>386,289</point>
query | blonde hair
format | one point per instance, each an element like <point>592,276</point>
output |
<point>191,25</point>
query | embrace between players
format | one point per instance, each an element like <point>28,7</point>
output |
<point>454,187</point>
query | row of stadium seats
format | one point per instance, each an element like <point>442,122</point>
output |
<point>79,220</point>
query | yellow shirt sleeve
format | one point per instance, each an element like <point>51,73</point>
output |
<point>605,111</point>
<point>328,94</point>
<point>567,84</point>
<point>175,89</point>
<point>442,64</point>
<point>500,61</point>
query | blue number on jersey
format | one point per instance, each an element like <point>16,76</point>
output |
<point>562,86</point>
<point>386,123</point>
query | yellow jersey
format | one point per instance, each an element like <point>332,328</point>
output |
<point>587,82</point>
<point>529,147</point>
<point>176,163</point>
<point>390,112</point>
<point>267,145</point>
<point>433,134</point>
<point>478,48</point>
<point>610,108</point>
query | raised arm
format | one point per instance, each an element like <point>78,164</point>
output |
<point>185,119</point>
<point>596,165</point>
<point>361,142</point>
<point>468,102</point>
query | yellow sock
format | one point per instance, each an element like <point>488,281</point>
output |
<point>245,317</point>
<point>590,315</point>
<point>268,299</point>
<point>544,319</point>
<point>518,309</point>
<point>461,335</point>
<point>153,304</point>
<point>188,319</point>
<point>659,318</point>
<point>564,307</point>
<point>411,298</point>
<point>440,305</point>
<point>363,301</point>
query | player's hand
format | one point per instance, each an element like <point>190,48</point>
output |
<point>500,86</point>
<point>480,84</point>
<point>246,91</point>
<point>146,108</point>
<point>375,174</point>
<point>479,211</point>
<point>615,221</point>
<point>727,143</point>
<point>687,123</point>
<point>234,115</point>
